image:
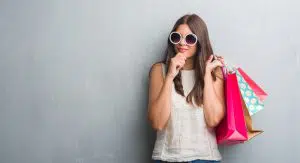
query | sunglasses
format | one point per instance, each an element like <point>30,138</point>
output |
<point>190,39</point>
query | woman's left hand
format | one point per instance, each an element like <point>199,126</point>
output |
<point>211,65</point>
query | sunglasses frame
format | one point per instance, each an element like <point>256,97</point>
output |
<point>184,38</point>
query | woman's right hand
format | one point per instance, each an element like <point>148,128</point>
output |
<point>176,64</point>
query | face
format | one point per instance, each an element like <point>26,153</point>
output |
<point>182,47</point>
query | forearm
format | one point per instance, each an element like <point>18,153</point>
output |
<point>160,109</point>
<point>212,104</point>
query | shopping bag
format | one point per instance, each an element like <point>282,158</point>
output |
<point>256,89</point>
<point>232,129</point>
<point>236,127</point>
<point>261,95</point>
<point>251,100</point>
<point>251,132</point>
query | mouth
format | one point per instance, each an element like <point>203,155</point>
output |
<point>182,50</point>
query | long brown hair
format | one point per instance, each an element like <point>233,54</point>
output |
<point>204,50</point>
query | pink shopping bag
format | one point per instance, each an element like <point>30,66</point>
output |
<point>232,129</point>
<point>256,89</point>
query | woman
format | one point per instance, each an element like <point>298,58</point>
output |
<point>186,100</point>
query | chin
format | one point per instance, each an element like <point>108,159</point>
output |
<point>188,55</point>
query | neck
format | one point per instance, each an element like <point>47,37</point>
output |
<point>189,64</point>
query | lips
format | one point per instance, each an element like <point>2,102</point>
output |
<point>182,50</point>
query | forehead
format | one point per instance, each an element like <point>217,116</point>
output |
<point>183,29</point>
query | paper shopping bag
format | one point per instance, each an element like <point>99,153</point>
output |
<point>251,100</point>
<point>250,131</point>
<point>256,89</point>
<point>232,129</point>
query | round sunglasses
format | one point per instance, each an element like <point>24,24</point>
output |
<point>190,39</point>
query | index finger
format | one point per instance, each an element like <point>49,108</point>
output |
<point>182,55</point>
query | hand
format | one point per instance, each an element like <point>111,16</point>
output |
<point>176,64</point>
<point>211,65</point>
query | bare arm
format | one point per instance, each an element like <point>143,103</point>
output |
<point>214,101</point>
<point>159,105</point>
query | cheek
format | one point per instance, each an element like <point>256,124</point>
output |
<point>193,50</point>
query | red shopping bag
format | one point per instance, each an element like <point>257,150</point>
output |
<point>232,129</point>
<point>259,92</point>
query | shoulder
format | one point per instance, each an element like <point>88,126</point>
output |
<point>157,65</point>
<point>156,70</point>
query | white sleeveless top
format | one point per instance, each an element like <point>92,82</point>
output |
<point>186,136</point>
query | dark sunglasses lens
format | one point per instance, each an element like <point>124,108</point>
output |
<point>175,38</point>
<point>190,39</point>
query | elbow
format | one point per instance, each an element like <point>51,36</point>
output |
<point>213,123</point>
<point>155,124</point>
<point>157,127</point>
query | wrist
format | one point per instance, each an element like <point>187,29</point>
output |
<point>207,75</point>
<point>169,78</point>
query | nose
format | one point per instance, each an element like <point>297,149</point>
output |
<point>182,42</point>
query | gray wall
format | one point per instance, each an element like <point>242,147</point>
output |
<point>74,82</point>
